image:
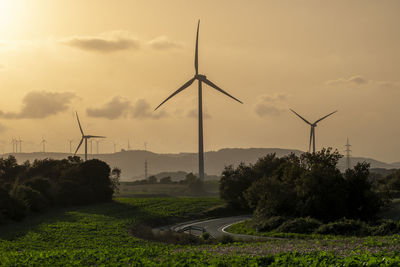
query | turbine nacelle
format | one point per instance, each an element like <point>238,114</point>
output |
<point>200,77</point>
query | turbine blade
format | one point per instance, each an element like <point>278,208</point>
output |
<point>94,136</point>
<point>311,136</point>
<point>326,116</point>
<point>219,89</point>
<point>80,143</point>
<point>187,84</point>
<point>79,123</point>
<point>196,53</point>
<point>300,116</point>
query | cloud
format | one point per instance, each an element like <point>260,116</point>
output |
<point>358,80</point>
<point>119,107</point>
<point>361,81</point>
<point>142,110</point>
<point>115,108</point>
<point>2,67</point>
<point>41,104</point>
<point>194,114</point>
<point>271,105</point>
<point>163,43</point>
<point>104,43</point>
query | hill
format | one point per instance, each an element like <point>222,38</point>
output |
<point>132,162</point>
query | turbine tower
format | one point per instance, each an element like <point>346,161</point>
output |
<point>20,145</point>
<point>201,79</point>
<point>348,161</point>
<point>43,142</point>
<point>70,145</point>
<point>313,125</point>
<point>84,138</point>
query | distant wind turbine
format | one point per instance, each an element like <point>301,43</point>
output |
<point>313,125</point>
<point>84,137</point>
<point>201,79</point>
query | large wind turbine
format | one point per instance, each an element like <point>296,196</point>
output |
<point>201,79</point>
<point>313,125</point>
<point>84,137</point>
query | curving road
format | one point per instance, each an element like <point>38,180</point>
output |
<point>216,227</point>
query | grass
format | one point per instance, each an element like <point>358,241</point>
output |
<point>97,235</point>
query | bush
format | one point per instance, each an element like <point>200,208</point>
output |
<point>386,227</point>
<point>42,185</point>
<point>271,223</point>
<point>299,225</point>
<point>11,208</point>
<point>344,227</point>
<point>226,239</point>
<point>31,197</point>
<point>206,236</point>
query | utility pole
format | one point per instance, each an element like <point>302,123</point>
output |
<point>115,147</point>
<point>129,146</point>
<point>145,162</point>
<point>348,162</point>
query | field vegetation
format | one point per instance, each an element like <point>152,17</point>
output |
<point>101,234</point>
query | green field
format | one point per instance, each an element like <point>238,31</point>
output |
<point>98,235</point>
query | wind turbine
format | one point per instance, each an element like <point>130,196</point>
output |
<point>313,125</point>
<point>201,79</point>
<point>84,137</point>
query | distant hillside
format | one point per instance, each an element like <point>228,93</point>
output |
<point>132,162</point>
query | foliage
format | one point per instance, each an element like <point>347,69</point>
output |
<point>299,225</point>
<point>309,185</point>
<point>50,182</point>
<point>96,235</point>
<point>343,227</point>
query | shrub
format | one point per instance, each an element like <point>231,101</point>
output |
<point>344,227</point>
<point>42,185</point>
<point>386,227</point>
<point>299,225</point>
<point>11,208</point>
<point>206,236</point>
<point>271,223</point>
<point>226,239</point>
<point>31,197</point>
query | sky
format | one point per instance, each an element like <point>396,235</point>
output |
<point>114,61</point>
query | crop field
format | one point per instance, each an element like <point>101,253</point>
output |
<point>98,235</point>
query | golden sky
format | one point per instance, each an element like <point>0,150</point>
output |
<point>115,61</point>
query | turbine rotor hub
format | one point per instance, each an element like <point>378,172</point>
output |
<point>200,77</point>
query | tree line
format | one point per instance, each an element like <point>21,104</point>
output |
<point>34,187</point>
<point>309,185</point>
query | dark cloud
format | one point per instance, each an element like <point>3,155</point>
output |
<point>194,114</point>
<point>41,104</point>
<point>106,43</point>
<point>119,107</point>
<point>115,108</point>
<point>359,80</point>
<point>162,43</point>
<point>142,110</point>
<point>271,105</point>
